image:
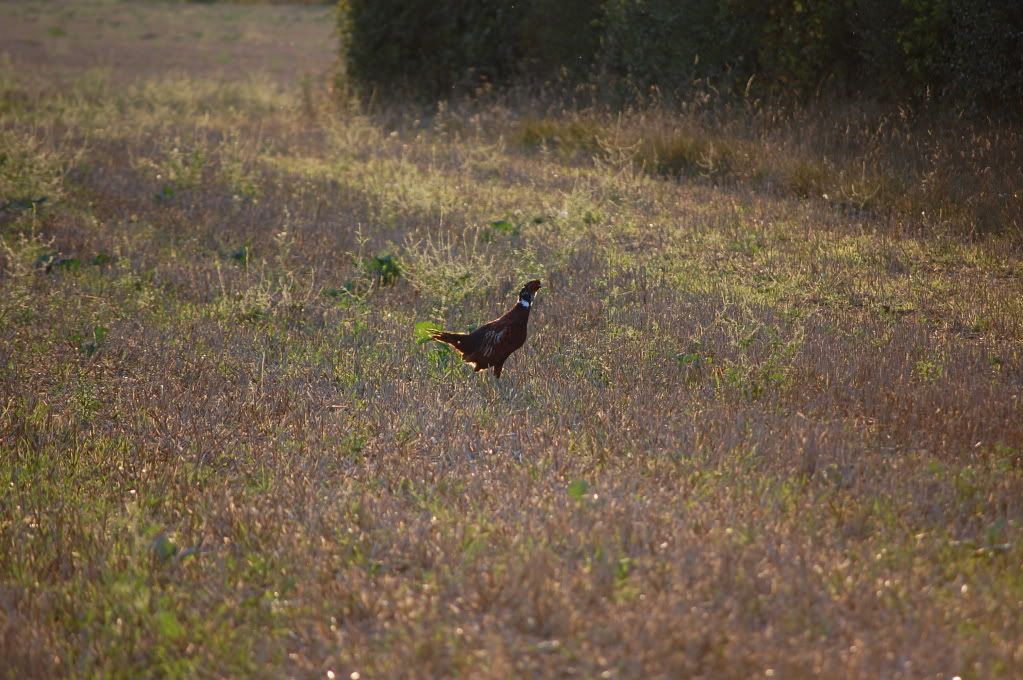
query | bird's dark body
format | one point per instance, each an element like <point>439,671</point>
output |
<point>491,344</point>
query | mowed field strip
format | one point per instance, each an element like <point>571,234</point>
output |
<point>754,432</point>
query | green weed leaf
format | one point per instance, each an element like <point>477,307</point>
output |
<point>90,345</point>
<point>504,226</point>
<point>168,625</point>
<point>163,548</point>
<point>384,267</point>
<point>578,489</point>
<point>240,256</point>
<point>689,359</point>
<point>424,329</point>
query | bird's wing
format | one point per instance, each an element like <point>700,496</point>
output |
<point>491,339</point>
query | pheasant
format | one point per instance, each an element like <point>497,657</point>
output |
<point>492,343</point>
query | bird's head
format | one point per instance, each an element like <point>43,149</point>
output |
<point>528,292</point>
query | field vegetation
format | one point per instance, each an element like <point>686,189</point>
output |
<point>768,422</point>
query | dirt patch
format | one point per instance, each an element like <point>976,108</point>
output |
<point>135,40</point>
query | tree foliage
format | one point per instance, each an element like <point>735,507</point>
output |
<point>898,48</point>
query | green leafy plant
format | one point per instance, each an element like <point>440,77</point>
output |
<point>424,330</point>
<point>240,256</point>
<point>506,227</point>
<point>577,489</point>
<point>89,343</point>
<point>385,269</point>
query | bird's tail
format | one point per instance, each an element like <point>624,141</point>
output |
<point>453,339</point>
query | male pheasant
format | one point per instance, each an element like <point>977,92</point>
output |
<point>492,343</point>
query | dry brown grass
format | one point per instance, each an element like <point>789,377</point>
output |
<point>931,173</point>
<point>751,434</point>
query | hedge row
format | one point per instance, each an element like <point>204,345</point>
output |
<point>942,48</point>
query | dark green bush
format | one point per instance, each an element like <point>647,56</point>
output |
<point>416,44</point>
<point>438,47</point>
<point>940,48</point>
<point>986,55</point>
<point>667,44</point>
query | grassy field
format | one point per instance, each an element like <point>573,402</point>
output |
<point>757,430</point>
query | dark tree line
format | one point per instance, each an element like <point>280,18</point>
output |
<point>969,52</point>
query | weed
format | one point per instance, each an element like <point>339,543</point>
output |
<point>446,268</point>
<point>89,343</point>
<point>384,269</point>
<point>176,169</point>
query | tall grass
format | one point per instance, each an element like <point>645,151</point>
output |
<point>931,173</point>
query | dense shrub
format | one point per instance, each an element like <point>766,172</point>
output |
<point>433,47</point>
<point>898,48</point>
<point>986,51</point>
